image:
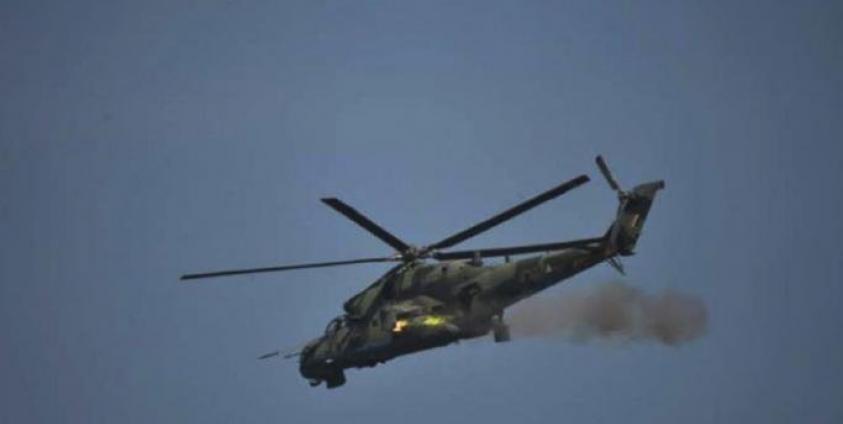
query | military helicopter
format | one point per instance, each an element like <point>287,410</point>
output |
<point>433,297</point>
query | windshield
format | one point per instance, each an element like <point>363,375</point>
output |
<point>336,324</point>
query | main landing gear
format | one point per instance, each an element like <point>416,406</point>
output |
<point>500,330</point>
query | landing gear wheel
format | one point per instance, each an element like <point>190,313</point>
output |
<point>336,379</point>
<point>500,330</point>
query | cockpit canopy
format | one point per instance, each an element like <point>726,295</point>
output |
<point>361,304</point>
<point>336,324</point>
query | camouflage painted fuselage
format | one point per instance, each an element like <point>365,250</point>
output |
<point>417,306</point>
<point>422,306</point>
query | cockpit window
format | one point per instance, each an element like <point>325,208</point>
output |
<point>336,324</point>
<point>361,304</point>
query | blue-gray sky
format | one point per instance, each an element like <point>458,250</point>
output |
<point>143,140</point>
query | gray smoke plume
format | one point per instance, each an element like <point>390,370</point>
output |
<point>612,311</point>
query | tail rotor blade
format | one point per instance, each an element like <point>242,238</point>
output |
<point>616,264</point>
<point>604,169</point>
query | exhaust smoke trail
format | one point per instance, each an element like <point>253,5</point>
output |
<point>613,311</point>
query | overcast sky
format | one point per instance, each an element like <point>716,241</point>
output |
<point>143,140</point>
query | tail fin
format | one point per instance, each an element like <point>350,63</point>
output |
<point>632,212</point>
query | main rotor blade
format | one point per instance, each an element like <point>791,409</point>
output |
<point>517,250</point>
<point>352,214</point>
<point>510,213</point>
<point>285,268</point>
<point>607,173</point>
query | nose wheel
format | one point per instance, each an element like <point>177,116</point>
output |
<point>336,379</point>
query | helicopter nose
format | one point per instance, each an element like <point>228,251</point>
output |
<point>315,366</point>
<point>316,372</point>
<point>309,370</point>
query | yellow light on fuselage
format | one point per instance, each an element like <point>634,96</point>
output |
<point>433,320</point>
<point>399,326</point>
